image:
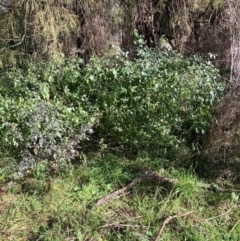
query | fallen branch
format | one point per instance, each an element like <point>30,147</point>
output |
<point>158,179</point>
<point>219,216</point>
<point>217,188</point>
<point>166,221</point>
<point>153,177</point>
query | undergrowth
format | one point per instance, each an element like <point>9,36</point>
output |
<point>160,103</point>
<point>60,125</point>
<point>64,207</point>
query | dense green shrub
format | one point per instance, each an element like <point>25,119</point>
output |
<point>41,114</point>
<point>159,101</point>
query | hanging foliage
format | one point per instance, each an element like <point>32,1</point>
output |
<point>188,26</point>
<point>48,28</point>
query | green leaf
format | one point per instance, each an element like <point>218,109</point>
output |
<point>45,91</point>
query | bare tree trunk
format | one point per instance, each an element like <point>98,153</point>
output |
<point>234,23</point>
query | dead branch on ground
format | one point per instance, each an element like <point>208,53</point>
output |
<point>166,221</point>
<point>152,177</point>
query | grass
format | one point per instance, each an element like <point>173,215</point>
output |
<point>63,208</point>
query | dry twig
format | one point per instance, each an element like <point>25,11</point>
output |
<point>219,216</point>
<point>158,179</point>
<point>153,177</point>
<point>166,221</point>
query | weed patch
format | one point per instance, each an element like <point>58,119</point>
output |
<point>68,211</point>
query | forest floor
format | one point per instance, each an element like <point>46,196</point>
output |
<point>108,197</point>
